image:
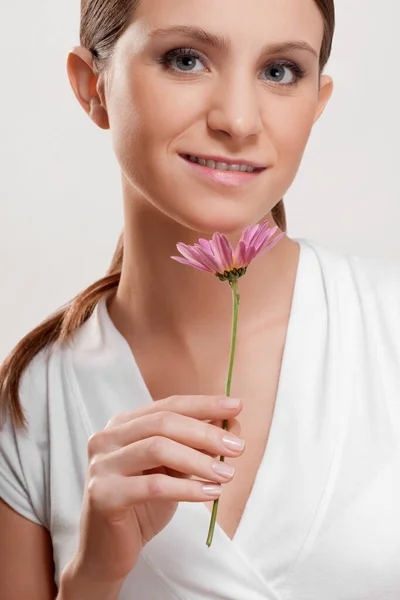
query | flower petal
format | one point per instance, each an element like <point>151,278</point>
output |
<point>250,254</point>
<point>208,247</point>
<point>263,237</point>
<point>206,259</point>
<point>191,263</point>
<point>260,244</point>
<point>261,233</point>
<point>248,233</point>
<point>197,255</point>
<point>246,254</point>
<point>187,252</point>
<point>205,245</point>
<point>223,251</point>
<point>271,244</point>
<point>240,254</point>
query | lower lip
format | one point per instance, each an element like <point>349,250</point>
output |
<point>232,178</point>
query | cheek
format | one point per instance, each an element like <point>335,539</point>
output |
<point>291,126</point>
<point>137,122</point>
<point>156,110</point>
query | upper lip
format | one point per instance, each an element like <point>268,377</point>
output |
<point>228,161</point>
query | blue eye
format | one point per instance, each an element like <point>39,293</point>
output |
<point>278,70</point>
<point>185,60</point>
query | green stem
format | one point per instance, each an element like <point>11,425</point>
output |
<point>236,301</point>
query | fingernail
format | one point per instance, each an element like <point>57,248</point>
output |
<point>212,490</point>
<point>221,468</point>
<point>230,402</point>
<point>233,443</point>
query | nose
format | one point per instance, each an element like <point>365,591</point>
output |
<point>235,108</point>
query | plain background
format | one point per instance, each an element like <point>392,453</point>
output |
<point>60,202</point>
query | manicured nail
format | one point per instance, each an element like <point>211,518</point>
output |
<point>221,468</point>
<point>212,490</point>
<point>233,443</point>
<point>230,402</point>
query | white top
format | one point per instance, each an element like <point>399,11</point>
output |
<point>323,518</point>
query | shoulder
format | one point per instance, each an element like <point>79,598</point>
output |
<point>32,394</point>
<point>29,456</point>
<point>361,296</point>
<point>39,385</point>
<point>23,459</point>
<point>57,381</point>
<point>375,279</point>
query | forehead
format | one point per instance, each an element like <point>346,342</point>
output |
<point>241,21</point>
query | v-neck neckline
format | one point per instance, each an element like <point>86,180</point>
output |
<point>289,354</point>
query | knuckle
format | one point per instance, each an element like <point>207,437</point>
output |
<point>204,463</point>
<point>95,443</point>
<point>163,420</point>
<point>111,423</point>
<point>194,489</point>
<point>102,495</point>
<point>169,400</point>
<point>115,421</point>
<point>156,486</point>
<point>95,467</point>
<point>155,446</point>
<point>95,493</point>
<point>217,403</point>
<point>208,436</point>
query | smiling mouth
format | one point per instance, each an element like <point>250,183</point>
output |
<point>221,166</point>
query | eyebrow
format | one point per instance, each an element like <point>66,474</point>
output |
<point>222,43</point>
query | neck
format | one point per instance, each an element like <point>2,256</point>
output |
<point>158,296</point>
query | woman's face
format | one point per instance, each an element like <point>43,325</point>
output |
<point>203,78</point>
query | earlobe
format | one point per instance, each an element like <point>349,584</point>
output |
<point>324,94</point>
<point>84,83</point>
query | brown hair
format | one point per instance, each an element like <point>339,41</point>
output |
<point>102,23</point>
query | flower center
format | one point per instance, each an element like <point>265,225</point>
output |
<point>232,275</point>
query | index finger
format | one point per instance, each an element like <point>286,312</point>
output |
<point>202,407</point>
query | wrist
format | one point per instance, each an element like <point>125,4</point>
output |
<point>75,586</point>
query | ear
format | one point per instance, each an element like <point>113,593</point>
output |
<point>324,94</point>
<point>87,86</point>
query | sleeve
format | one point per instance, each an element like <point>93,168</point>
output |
<point>24,453</point>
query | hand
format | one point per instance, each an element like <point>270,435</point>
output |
<point>140,466</point>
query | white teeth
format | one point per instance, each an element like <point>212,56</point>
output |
<point>220,165</point>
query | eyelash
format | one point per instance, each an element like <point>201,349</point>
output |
<point>166,59</point>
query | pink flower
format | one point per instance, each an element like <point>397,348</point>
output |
<point>219,257</point>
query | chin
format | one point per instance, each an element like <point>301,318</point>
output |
<point>210,220</point>
<point>206,211</point>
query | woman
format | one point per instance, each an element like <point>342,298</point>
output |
<point>113,475</point>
